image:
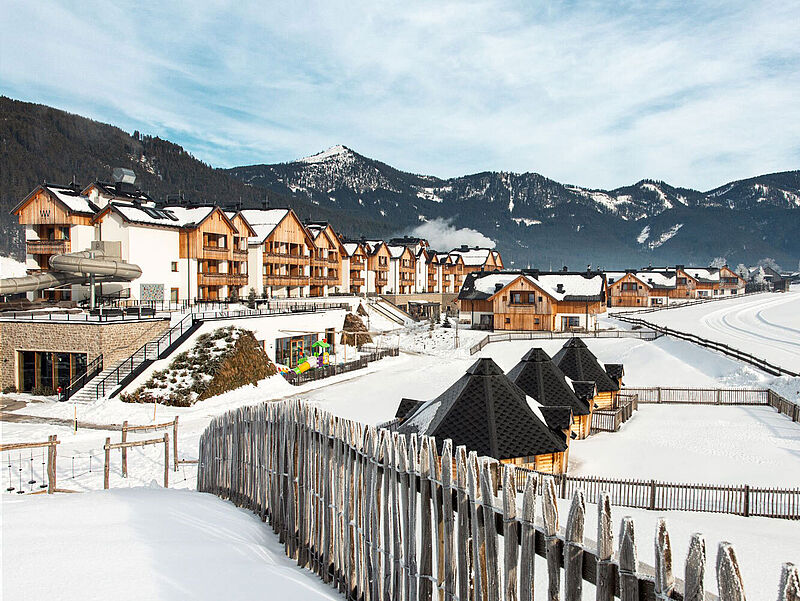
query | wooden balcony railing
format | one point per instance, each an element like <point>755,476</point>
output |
<point>215,251</point>
<point>47,247</point>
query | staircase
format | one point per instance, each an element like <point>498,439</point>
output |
<point>111,380</point>
<point>391,311</point>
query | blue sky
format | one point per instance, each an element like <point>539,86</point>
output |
<point>592,93</point>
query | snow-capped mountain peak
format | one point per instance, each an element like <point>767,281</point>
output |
<point>330,153</point>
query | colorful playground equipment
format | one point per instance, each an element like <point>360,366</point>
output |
<point>319,357</point>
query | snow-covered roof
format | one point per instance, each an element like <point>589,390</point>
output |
<point>173,217</point>
<point>706,274</point>
<point>558,285</point>
<point>396,251</point>
<point>74,200</point>
<point>661,279</point>
<point>474,256</point>
<point>350,248</point>
<point>263,222</point>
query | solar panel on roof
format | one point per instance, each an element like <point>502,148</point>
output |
<point>169,214</point>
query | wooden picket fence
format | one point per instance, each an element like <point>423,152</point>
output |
<point>383,517</point>
<point>610,420</point>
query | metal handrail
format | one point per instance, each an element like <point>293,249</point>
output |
<point>94,367</point>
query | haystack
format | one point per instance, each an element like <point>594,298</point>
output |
<point>354,332</point>
<point>361,311</point>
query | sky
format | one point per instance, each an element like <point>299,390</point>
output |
<point>598,94</point>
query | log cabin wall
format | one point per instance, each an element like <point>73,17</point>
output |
<point>536,312</point>
<point>628,291</point>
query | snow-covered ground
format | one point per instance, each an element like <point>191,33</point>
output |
<point>11,268</point>
<point>765,325</point>
<point>681,443</point>
<point>145,543</point>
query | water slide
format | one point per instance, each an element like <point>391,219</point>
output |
<point>74,268</point>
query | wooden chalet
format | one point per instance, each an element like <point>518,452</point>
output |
<point>326,260</point>
<point>579,364</point>
<point>542,380</point>
<point>354,267</point>
<point>478,259</point>
<point>532,300</point>
<point>489,414</point>
<point>378,266</point>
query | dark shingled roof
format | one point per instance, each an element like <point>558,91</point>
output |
<point>559,418</point>
<point>407,407</point>
<point>486,412</point>
<point>579,363</point>
<point>584,390</point>
<point>541,379</point>
<point>615,371</point>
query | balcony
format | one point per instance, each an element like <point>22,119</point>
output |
<point>215,252</point>
<point>47,247</point>
<point>212,279</point>
<point>285,258</point>
<point>240,254</point>
<point>237,279</point>
<point>357,281</point>
<point>286,280</point>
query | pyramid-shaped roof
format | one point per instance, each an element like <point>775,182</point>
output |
<point>541,379</point>
<point>486,412</point>
<point>579,363</point>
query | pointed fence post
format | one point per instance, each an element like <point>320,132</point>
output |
<point>426,541</point>
<point>729,579</point>
<point>628,561</point>
<point>510,533</point>
<point>550,518</point>
<point>789,587</point>
<point>573,550</point>
<point>528,540</point>
<point>476,518</point>
<point>694,576</point>
<point>490,528</point>
<point>605,549</point>
<point>665,581</point>
<point>463,537</point>
<point>448,518</point>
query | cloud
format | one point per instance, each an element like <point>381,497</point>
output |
<point>443,236</point>
<point>596,94</point>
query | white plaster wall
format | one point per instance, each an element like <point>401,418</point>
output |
<point>154,249</point>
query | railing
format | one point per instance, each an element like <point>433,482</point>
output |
<point>383,516</point>
<point>150,351</point>
<point>326,371</point>
<point>678,304</point>
<point>47,247</point>
<point>97,316</point>
<point>94,367</point>
<point>610,420</point>
<point>546,335</point>
<point>216,251</point>
<point>718,396</point>
<point>761,364</point>
<point>286,280</point>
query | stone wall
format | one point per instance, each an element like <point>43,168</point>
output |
<point>115,341</point>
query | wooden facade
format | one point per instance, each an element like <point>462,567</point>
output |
<point>211,244</point>
<point>287,255</point>
<point>628,291</point>
<point>378,263</point>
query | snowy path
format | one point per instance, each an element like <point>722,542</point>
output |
<point>766,325</point>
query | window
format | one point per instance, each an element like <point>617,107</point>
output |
<point>681,281</point>
<point>531,298</point>
<point>174,266</point>
<point>508,320</point>
<point>569,321</point>
<point>629,286</point>
<point>536,321</point>
<point>523,298</point>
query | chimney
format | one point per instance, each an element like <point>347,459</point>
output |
<point>464,248</point>
<point>560,288</point>
<point>565,269</point>
<point>498,287</point>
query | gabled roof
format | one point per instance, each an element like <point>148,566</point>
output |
<point>263,222</point>
<point>489,414</point>
<point>473,257</point>
<point>579,363</point>
<point>170,217</point>
<point>706,275</point>
<point>542,380</point>
<point>615,371</point>
<point>558,285</point>
<point>584,390</point>
<point>233,215</point>
<point>350,248</point>
<point>72,200</point>
<point>559,418</point>
<point>118,192</point>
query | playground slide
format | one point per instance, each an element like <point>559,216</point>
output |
<point>73,268</point>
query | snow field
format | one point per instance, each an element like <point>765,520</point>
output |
<point>765,325</point>
<point>144,543</point>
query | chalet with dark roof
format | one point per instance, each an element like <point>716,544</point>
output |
<point>542,380</point>
<point>579,364</point>
<point>486,412</point>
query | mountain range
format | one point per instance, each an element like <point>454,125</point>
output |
<point>531,219</point>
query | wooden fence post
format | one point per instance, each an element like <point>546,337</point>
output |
<point>729,579</point>
<point>175,443</point>
<point>125,449</point>
<point>528,540</point>
<point>490,528</point>
<point>789,587</point>
<point>694,575</point>
<point>573,551</point>
<point>166,459</point>
<point>463,548</point>
<point>550,519</point>
<point>510,532</point>
<point>448,525</point>
<point>426,550</point>
<point>107,465</point>
<point>51,464</point>
<point>476,519</point>
<point>605,549</point>
<point>665,581</point>
<point>628,562</point>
